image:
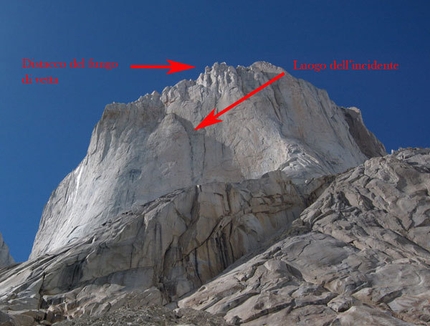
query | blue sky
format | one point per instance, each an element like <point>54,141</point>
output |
<point>45,129</point>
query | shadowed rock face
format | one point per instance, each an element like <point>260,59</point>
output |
<point>365,257</point>
<point>145,149</point>
<point>365,140</point>
<point>5,257</point>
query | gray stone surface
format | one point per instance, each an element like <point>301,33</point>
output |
<point>5,257</point>
<point>165,248</point>
<point>364,260</point>
<point>366,141</point>
<point>148,148</point>
<point>244,222</point>
<point>149,316</point>
<point>360,252</point>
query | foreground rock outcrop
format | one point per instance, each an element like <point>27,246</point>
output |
<point>359,252</point>
<point>146,149</point>
<point>165,248</point>
<point>363,255</point>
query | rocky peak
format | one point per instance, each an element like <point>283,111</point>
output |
<point>145,149</point>
<point>5,257</point>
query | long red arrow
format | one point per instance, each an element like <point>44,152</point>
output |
<point>212,118</point>
<point>173,66</point>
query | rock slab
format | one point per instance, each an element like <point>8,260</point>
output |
<point>165,248</point>
<point>363,254</point>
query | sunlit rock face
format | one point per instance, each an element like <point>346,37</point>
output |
<point>145,149</point>
<point>287,212</point>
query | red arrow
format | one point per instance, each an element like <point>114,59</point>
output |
<point>212,118</point>
<point>173,66</point>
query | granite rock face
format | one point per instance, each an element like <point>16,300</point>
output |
<point>361,253</point>
<point>253,215</point>
<point>145,149</point>
<point>5,257</point>
<point>164,249</point>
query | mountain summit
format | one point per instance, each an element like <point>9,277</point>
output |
<point>286,213</point>
<point>145,149</point>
